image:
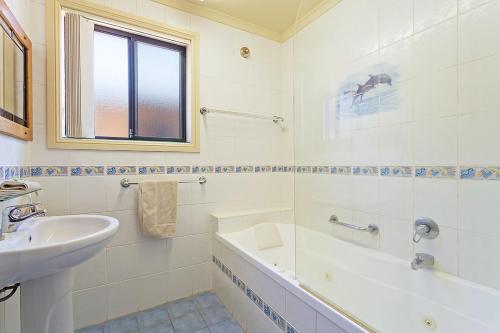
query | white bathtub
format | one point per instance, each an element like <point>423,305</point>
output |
<point>378,289</point>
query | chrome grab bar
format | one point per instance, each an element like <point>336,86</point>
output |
<point>371,228</point>
<point>125,182</point>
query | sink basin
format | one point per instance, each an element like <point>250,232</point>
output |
<point>40,256</point>
<point>47,245</point>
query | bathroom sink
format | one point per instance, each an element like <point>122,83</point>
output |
<point>40,256</point>
<point>47,245</point>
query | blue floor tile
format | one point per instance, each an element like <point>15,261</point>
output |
<point>93,329</point>
<point>162,328</point>
<point>181,308</point>
<point>207,299</point>
<point>228,326</point>
<point>153,316</point>
<point>203,330</point>
<point>215,314</point>
<point>126,324</point>
<point>188,323</point>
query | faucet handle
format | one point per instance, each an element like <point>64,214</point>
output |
<point>425,227</point>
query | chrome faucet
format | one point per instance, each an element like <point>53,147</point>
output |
<point>422,260</point>
<point>12,216</point>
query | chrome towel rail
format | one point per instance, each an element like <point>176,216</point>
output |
<point>125,182</point>
<point>275,119</point>
<point>371,228</point>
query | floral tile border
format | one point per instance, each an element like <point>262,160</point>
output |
<point>151,170</point>
<point>224,169</point>
<point>447,172</point>
<point>49,171</point>
<point>365,171</point>
<point>87,171</point>
<point>178,169</point>
<point>396,171</point>
<point>121,170</point>
<point>480,173</point>
<point>435,172</point>
<point>341,170</point>
<point>267,310</point>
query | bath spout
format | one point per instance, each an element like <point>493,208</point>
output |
<point>422,260</point>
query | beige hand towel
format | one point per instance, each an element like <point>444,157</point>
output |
<point>158,208</point>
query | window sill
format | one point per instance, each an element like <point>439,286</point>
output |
<point>99,144</point>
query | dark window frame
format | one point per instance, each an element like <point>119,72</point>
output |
<point>133,90</point>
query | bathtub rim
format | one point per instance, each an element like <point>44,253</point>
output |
<point>343,321</point>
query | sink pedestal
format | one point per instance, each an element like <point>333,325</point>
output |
<point>46,304</point>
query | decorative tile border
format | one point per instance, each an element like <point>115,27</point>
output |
<point>447,172</point>
<point>224,168</point>
<point>151,170</point>
<point>480,173</point>
<point>178,169</point>
<point>435,172</point>
<point>87,171</point>
<point>341,170</point>
<point>49,171</point>
<point>396,171</point>
<point>365,171</point>
<point>268,311</point>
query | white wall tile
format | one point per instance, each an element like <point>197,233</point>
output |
<point>430,12</point>
<point>180,284</point>
<point>90,307</point>
<point>464,5</point>
<point>437,199</point>
<point>479,139</point>
<point>396,145</point>
<point>478,81</point>
<point>396,197</point>
<point>436,94</point>
<point>436,48</point>
<point>122,298</point>
<point>436,142</point>
<point>154,290</point>
<point>86,195</point>
<point>476,260</point>
<point>478,29</point>
<point>478,207</point>
<point>396,20</point>
<point>395,236</point>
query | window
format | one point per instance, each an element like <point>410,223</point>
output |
<point>120,82</point>
<point>139,87</point>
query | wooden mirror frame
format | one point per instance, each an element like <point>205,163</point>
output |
<point>9,127</point>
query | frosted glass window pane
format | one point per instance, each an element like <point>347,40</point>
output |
<point>158,91</point>
<point>111,83</point>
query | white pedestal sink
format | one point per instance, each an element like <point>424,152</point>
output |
<point>40,255</point>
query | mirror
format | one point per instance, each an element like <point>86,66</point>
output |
<point>15,77</point>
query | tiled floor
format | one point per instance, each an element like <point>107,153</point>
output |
<point>199,314</point>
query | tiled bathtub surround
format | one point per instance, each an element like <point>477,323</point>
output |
<point>247,290</point>
<point>436,150</point>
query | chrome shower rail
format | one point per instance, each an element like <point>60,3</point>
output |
<point>125,182</point>
<point>275,119</point>
<point>371,228</point>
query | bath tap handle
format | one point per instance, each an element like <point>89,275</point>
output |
<point>425,228</point>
